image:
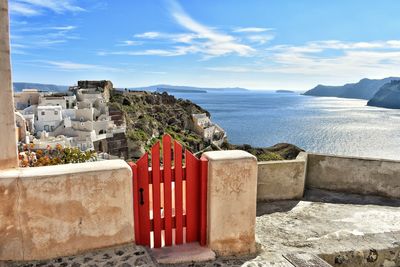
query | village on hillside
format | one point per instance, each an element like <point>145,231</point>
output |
<point>81,118</point>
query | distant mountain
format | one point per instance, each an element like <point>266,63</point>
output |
<point>285,91</point>
<point>19,86</point>
<point>185,89</point>
<point>177,90</point>
<point>388,96</point>
<point>364,89</point>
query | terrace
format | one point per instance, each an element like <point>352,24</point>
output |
<point>83,214</point>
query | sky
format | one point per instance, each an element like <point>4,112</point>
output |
<point>255,44</point>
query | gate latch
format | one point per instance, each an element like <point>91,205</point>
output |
<point>141,196</point>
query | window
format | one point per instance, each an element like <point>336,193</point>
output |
<point>43,113</point>
<point>55,112</point>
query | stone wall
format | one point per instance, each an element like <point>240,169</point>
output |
<point>285,179</point>
<point>60,210</point>
<point>354,175</point>
<point>231,201</point>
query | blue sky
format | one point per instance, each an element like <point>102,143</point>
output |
<point>254,44</point>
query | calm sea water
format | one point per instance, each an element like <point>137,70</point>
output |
<point>317,124</point>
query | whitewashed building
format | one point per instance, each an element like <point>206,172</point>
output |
<point>210,131</point>
<point>78,118</point>
<point>48,118</point>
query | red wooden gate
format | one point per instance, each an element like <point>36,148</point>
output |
<point>169,200</point>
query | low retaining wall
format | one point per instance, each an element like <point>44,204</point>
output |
<point>47,212</point>
<point>354,175</point>
<point>278,180</point>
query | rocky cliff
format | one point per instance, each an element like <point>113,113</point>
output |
<point>150,115</point>
<point>388,96</point>
<point>364,89</point>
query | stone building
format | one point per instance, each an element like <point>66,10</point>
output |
<point>211,132</point>
<point>26,98</point>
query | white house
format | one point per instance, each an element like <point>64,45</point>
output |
<point>210,131</point>
<point>48,118</point>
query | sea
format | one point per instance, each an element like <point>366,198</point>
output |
<point>316,124</point>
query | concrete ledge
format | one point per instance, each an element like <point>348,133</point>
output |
<point>281,180</point>
<point>354,175</point>
<point>46,212</point>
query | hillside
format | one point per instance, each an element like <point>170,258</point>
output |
<point>364,89</point>
<point>19,86</point>
<point>388,96</point>
<point>149,115</point>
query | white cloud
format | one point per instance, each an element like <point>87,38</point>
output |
<point>351,59</point>
<point>22,9</point>
<point>34,36</point>
<point>72,66</point>
<point>252,29</point>
<point>216,43</point>
<point>63,28</point>
<point>260,39</point>
<point>36,7</point>
<point>200,39</point>
<point>148,35</point>
<point>172,37</point>
<point>179,51</point>
<point>129,43</point>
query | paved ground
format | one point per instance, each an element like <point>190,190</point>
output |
<point>123,256</point>
<point>343,229</point>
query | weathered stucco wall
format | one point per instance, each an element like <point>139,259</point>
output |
<point>354,175</point>
<point>279,180</point>
<point>8,142</point>
<point>231,211</point>
<point>51,211</point>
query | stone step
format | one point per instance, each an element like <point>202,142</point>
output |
<point>185,253</point>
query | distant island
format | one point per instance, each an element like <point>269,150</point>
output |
<point>364,89</point>
<point>388,96</point>
<point>380,93</point>
<point>185,89</point>
<point>285,91</point>
<point>177,90</point>
<point>19,86</point>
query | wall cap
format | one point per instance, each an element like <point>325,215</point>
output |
<point>56,170</point>
<point>228,155</point>
<point>354,157</point>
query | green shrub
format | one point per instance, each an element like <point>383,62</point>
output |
<point>269,156</point>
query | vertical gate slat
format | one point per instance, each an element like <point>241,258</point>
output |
<point>155,166</point>
<point>167,189</point>
<point>143,194</point>
<point>135,190</point>
<point>178,193</point>
<point>203,203</point>
<point>192,197</point>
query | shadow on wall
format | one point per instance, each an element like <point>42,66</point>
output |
<point>325,196</point>
<point>265,208</point>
